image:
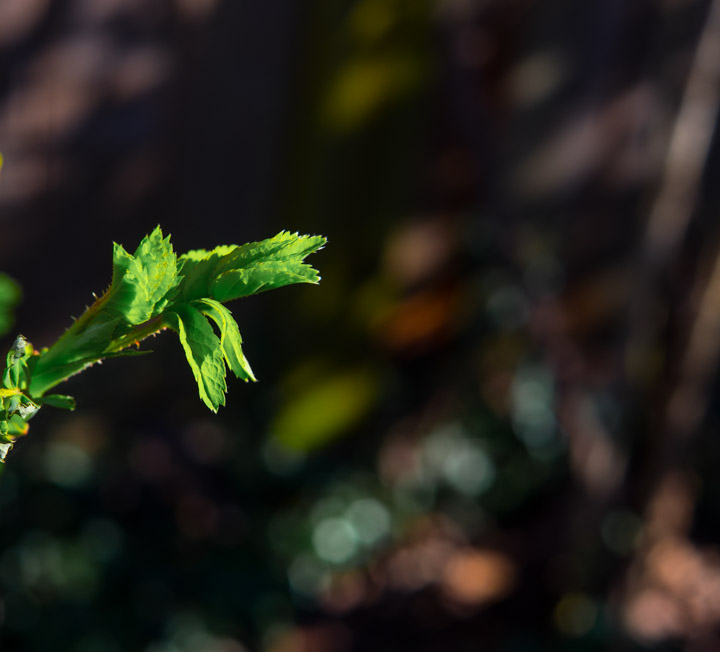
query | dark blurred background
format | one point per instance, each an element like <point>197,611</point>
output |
<point>493,426</point>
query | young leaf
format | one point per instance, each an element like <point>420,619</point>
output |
<point>148,293</point>
<point>58,401</point>
<point>142,283</point>
<point>228,273</point>
<point>198,269</point>
<point>230,338</point>
<point>203,351</point>
<point>266,265</point>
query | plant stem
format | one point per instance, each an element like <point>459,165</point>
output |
<point>69,355</point>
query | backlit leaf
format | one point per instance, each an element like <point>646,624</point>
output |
<point>230,338</point>
<point>261,266</point>
<point>199,270</point>
<point>228,273</point>
<point>203,351</point>
<point>142,283</point>
<point>152,289</point>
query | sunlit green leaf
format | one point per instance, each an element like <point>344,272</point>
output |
<point>142,282</point>
<point>198,270</point>
<point>203,351</point>
<point>151,290</point>
<point>261,266</point>
<point>230,338</point>
<point>68,358</point>
<point>228,273</point>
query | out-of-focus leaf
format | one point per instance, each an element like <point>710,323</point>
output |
<point>326,409</point>
<point>365,86</point>
<point>10,296</point>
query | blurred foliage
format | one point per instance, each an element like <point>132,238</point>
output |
<point>382,61</point>
<point>324,409</point>
<point>10,296</point>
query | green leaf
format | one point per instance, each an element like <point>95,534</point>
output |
<point>142,283</point>
<point>228,273</point>
<point>199,270</point>
<point>47,377</point>
<point>71,355</point>
<point>10,295</point>
<point>17,426</point>
<point>266,265</point>
<point>91,341</point>
<point>203,351</point>
<point>57,400</point>
<point>152,289</point>
<point>230,338</point>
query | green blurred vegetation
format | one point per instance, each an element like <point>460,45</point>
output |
<point>10,296</point>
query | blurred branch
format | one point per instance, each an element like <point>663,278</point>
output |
<point>666,485</point>
<point>686,406</point>
<point>669,219</point>
<point>689,146</point>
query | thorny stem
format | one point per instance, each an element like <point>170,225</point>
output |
<point>49,372</point>
<point>138,334</point>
